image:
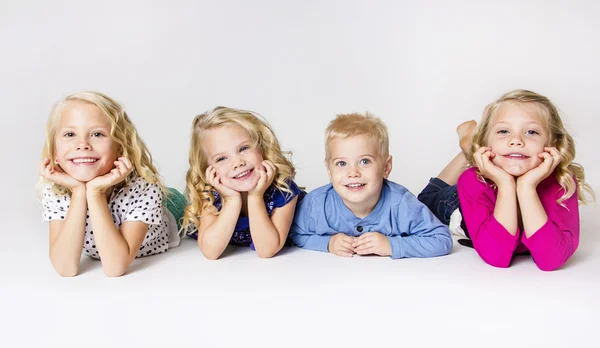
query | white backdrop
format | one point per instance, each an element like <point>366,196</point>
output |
<point>422,66</point>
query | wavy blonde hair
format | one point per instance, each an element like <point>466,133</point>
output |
<point>122,132</point>
<point>348,125</point>
<point>200,196</point>
<point>558,137</point>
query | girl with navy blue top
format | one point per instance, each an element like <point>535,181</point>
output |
<point>240,184</point>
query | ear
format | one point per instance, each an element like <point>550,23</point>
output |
<point>328,171</point>
<point>387,167</point>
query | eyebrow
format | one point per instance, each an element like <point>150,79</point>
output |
<point>361,156</point>
<point>93,127</point>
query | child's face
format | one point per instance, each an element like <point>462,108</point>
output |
<point>84,147</point>
<point>230,150</point>
<point>357,170</point>
<point>517,135</point>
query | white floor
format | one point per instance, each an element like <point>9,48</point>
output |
<point>299,298</point>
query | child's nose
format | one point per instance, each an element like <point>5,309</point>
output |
<point>238,162</point>
<point>84,145</point>
<point>353,172</point>
<point>516,141</point>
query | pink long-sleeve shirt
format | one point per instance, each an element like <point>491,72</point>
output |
<point>551,246</point>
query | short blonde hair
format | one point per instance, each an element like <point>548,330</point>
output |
<point>122,131</point>
<point>199,191</point>
<point>349,125</point>
<point>558,137</point>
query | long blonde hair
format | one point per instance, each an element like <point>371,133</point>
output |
<point>122,132</point>
<point>200,196</point>
<point>558,137</point>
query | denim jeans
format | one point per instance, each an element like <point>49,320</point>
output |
<point>440,198</point>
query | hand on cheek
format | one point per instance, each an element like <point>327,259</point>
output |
<point>215,181</point>
<point>123,168</point>
<point>58,176</point>
<point>550,160</point>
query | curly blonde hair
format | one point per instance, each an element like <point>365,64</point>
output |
<point>558,137</point>
<point>199,192</point>
<point>122,132</point>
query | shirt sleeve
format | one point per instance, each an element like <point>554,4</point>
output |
<point>304,227</point>
<point>556,241</point>
<point>421,233</point>
<point>494,244</point>
<point>282,198</point>
<point>145,203</point>
<point>54,207</point>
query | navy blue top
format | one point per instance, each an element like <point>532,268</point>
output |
<point>273,197</point>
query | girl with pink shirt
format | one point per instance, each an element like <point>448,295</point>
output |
<point>514,188</point>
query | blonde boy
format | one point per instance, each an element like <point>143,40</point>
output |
<point>360,211</point>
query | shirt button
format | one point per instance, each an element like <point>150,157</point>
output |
<point>359,229</point>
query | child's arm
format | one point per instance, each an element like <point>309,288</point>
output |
<point>492,241</point>
<point>117,248</point>
<point>551,232</point>
<point>215,231</point>
<point>66,236</point>
<point>304,227</point>
<point>268,233</point>
<point>426,237</point>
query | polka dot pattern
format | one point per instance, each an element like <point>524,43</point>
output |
<point>138,201</point>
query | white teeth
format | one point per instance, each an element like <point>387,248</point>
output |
<point>84,160</point>
<point>515,155</point>
<point>355,185</point>
<point>242,174</point>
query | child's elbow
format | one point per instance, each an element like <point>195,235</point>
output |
<point>268,252</point>
<point>498,261</point>
<point>67,271</point>
<point>115,270</point>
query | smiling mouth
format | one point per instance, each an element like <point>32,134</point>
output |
<point>355,186</point>
<point>516,156</point>
<point>243,174</point>
<point>84,160</point>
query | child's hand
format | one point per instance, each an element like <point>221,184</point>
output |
<point>341,245</point>
<point>265,179</point>
<point>372,243</point>
<point>551,158</point>
<point>59,177</point>
<point>483,157</point>
<point>123,168</point>
<point>215,181</point>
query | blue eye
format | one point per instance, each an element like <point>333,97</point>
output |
<point>532,132</point>
<point>98,134</point>
<point>365,161</point>
<point>340,164</point>
<point>502,131</point>
<point>69,134</point>
<point>244,148</point>
<point>220,159</point>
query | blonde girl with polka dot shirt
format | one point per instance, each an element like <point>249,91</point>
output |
<point>99,190</point>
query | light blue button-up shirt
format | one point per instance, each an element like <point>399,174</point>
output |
<point>412,229</point>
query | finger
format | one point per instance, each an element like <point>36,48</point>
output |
<point>127,162</point>
<point>346,244</point>
<point>269,170</point>
<point>364,246</point>
<point>554,153</point>
<point>43,164</point>
<point>343,253</point>
<point>366,251</point>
